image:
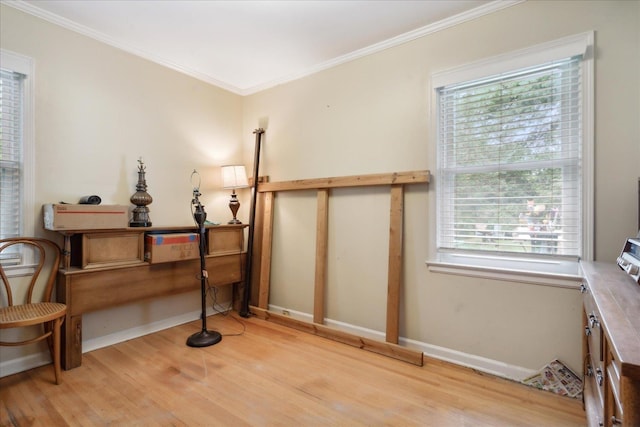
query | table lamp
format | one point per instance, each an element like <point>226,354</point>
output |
<point>233,177</point>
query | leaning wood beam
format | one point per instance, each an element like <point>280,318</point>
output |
<point>414,177</point>
<point>322,231</point>
<point>395,263</point>
<point>265,262</point>
<point>387,349</point>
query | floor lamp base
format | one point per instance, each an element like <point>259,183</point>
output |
<point>204,339</point>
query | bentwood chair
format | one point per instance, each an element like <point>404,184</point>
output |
<point>37,308</point>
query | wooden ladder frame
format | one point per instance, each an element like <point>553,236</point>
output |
<point>262,252</point>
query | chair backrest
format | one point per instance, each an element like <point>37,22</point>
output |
<point>46,261</point>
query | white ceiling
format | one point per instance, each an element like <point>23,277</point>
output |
<point>246,46</point>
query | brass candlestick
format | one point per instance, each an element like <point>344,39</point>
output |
<point>141,199</point>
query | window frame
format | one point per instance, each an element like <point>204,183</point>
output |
<point>25,65</point>
<point>552,270</point>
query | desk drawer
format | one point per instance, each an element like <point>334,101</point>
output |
<point>96,250</point>
<point>223,241</point>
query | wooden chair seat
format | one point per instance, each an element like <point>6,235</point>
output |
<point>30,314</point>
<point>34,310</point>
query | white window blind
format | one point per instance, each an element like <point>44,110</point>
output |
<point>11,132</point>
<point>509,162</point>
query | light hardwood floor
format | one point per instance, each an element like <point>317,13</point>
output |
<point>269,375</point>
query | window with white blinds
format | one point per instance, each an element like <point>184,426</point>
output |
<point>514,164</point>
<point>11,145</point>
<point>17,170</point>
<point>510,161</point>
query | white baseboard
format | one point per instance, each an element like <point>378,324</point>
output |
<point>36,360</point>
<point>13,366</point>
<point>483,364</point>
<point>139,331</point>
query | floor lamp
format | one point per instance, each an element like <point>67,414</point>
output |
<point>204,338</point>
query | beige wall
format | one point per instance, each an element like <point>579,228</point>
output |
<point>99,109</point>
<point>372,115</point>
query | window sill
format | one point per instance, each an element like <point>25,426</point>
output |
<point>562,274</point>
<point>19,270</point>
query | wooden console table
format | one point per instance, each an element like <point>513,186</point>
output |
<point>107,268</point>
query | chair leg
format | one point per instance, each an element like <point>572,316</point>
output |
<point>56,349</point>
<point>48,328</point>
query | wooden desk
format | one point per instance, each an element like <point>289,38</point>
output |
<point>102,270</point>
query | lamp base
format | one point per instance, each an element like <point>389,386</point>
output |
<point>204,339</point>
<point>234,205</point>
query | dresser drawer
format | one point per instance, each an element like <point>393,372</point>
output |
<point>593,331</point>
<point>595,375</point>
<point>613,403</point>
<point>594,358</point>
<point>593,406</point>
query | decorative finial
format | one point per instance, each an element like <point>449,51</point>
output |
<point>141,199</point>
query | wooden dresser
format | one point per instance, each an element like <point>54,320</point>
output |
<point>107,268</point>
<point>611,346</point>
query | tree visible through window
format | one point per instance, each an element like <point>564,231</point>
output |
<point>509,173</point>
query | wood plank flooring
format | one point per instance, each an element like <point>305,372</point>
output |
<point>264,374</point>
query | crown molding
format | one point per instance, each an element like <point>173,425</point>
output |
<point>452,21</point>
<point>483,10</point>
<point>101,37</point>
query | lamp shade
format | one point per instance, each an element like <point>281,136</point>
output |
<point>234,176</point>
